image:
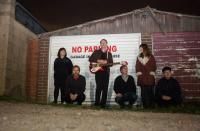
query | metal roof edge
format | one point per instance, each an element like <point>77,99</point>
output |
<point>136,11</point>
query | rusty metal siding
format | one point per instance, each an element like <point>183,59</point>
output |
<point>181,51</point>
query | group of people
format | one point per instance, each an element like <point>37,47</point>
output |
<point>67,79</point>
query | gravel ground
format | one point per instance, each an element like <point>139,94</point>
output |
<point>33,117</point>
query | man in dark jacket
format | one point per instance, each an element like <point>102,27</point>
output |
<point>62,69</point>
<point>102,56</point>
<point>168,90</point>
<point>125,88</point>
<point>75,87</point>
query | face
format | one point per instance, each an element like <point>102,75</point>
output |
<point>141,50</point>
<point>167,74</point>
<point>103,45</point>
<point>62,53</point>
<point>124,70</point>
<point>76,71</point>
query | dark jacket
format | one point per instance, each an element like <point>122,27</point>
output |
<point>120,86</point>
<point>62,68</point>
<point>170,88</point>
<point>146,79</point>
<point>75,86</point>
<point>98,54</point>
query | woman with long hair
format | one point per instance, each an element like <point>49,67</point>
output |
<point>145,70</point>
<point>62,69</point>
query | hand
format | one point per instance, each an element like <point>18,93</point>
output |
<point>73,96</point>
<point>105,61</point>
<point>167,98</point>
<point>139,73</point>
<point>119,95</point>
<point>152,73</point>
<point>124,63</point>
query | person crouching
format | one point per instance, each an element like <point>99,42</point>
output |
<point>125,88</point>
<point>75,87</point>
<point>168,90</point>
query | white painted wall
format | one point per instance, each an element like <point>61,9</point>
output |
<point>127,49</point>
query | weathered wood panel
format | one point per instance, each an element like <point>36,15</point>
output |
<point>181,51</point>
<point>145,20</point>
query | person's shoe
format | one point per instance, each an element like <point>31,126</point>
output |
<point>130,106</point>
<point>96,104</point>
<point>104,106</point>
<point>55,102</point>
<point>79,104</point>
<point>122,106</point>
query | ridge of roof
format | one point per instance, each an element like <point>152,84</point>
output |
<point>136,11</point>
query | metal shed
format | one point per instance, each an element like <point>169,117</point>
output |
<point>147,21</point>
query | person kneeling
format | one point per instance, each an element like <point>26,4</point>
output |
<point>76,87</point>
<point>125,88</point>
<point>168,90</point>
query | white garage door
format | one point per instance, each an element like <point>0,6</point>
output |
<point>124,47</point>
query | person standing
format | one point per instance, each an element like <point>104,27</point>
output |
<point>102,56</point>
<point>125,88</point>
<point>145,71</point>
<point>62,69</point>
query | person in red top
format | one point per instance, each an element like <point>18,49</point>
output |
<point>75,87</point>
<point>145,70</point>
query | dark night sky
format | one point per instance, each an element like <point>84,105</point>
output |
<point>55,14</point>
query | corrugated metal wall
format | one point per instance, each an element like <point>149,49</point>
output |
<point>127,49</point>
<point>181,51</point>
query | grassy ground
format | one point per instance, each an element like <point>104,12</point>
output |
<point>189,108</point>
<point>186,108</point>
<point>22,116</point>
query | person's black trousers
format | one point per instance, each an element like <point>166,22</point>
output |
<point>127,97</point>
<point>62,87</point>
<point>147,94</point>
<point>80,99</point>
<point>102,81</point>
